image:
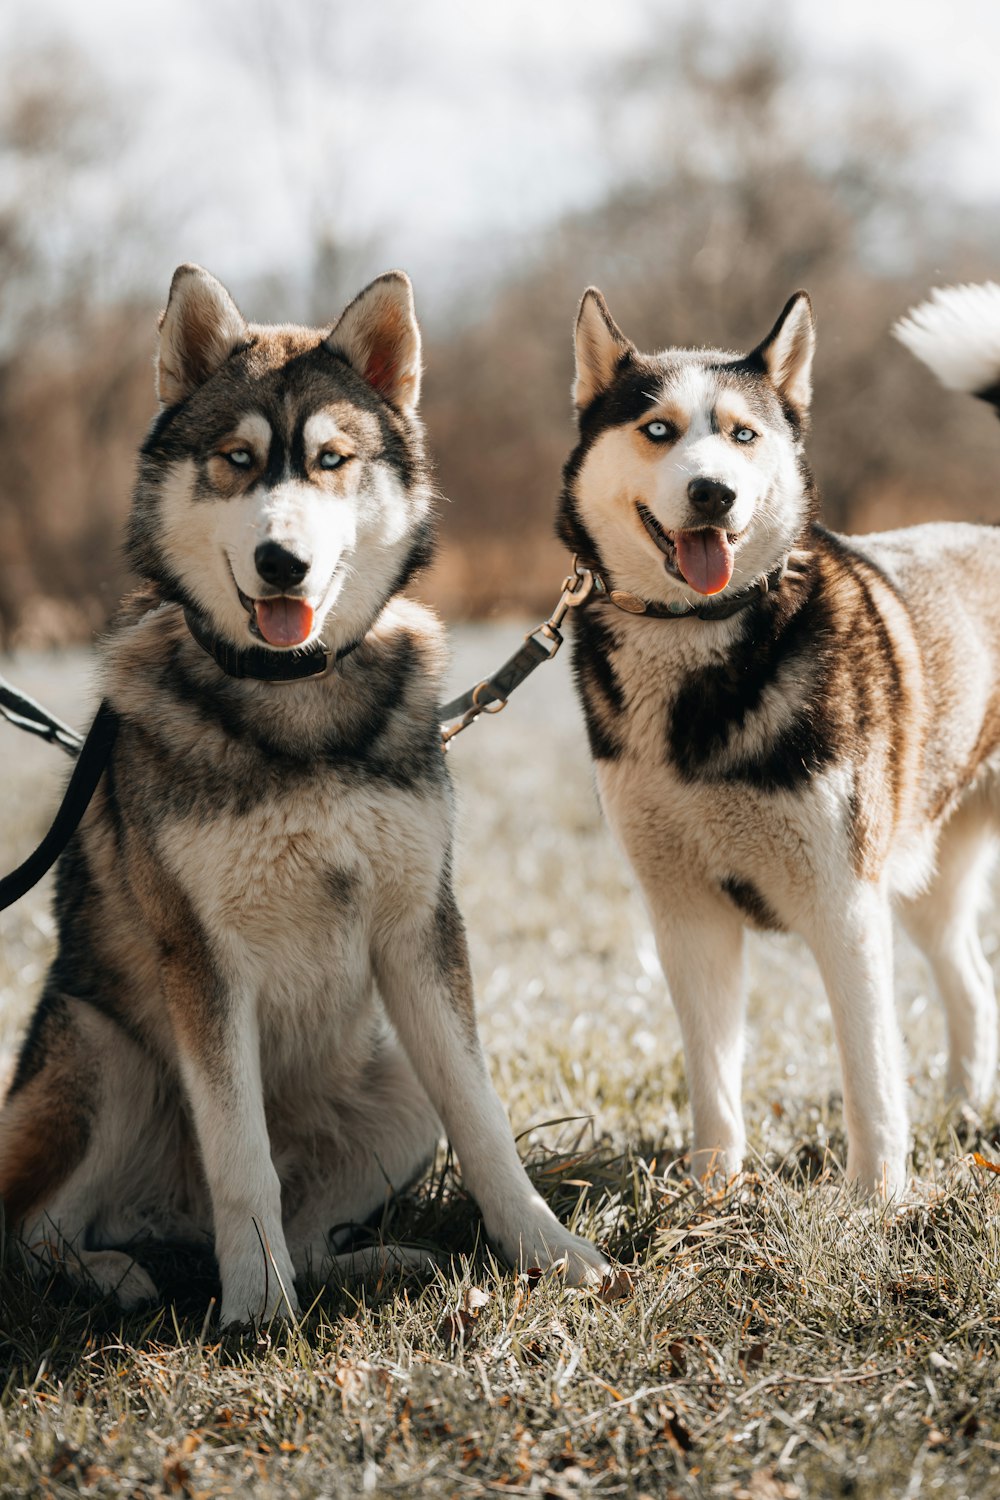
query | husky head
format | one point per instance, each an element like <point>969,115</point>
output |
<point>282,492</point>
<point>689,477</point>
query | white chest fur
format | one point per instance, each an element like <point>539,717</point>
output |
<point>289,893</point>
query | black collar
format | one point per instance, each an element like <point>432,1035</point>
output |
<point>259,664</point>
<point>680,609</point>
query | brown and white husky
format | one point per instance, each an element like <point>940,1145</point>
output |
<point>260,1007</point>
<point>792,730</point>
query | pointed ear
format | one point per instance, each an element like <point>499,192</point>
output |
<point>198,331</point>
<point>600,346</point>
<point>378,336</point>
<point>787,353</point>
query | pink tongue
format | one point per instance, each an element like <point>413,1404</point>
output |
<point>705,558</point>
<point>284,622</point>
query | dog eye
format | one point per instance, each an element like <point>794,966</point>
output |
<point>660,432</point>
<point>330,459</point>
<point>240,458</point>
<point>744,434</point>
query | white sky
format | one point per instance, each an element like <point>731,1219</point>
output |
<point>432,127</point>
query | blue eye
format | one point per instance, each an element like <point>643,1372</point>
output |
<point>240,458</point>
<point>744,434</point>
<point>660,432</point>
<point>330,459</point>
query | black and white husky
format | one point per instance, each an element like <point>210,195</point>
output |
<point>792,729</point>
<point>261,1007</point>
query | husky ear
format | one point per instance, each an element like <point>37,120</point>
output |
<point>198,331</point>
<point>600,347</point>
<point>787,353</point>
<point>378,336</point>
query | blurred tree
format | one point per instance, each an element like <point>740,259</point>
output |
<point>739,183</point>
<point>741,175</point>
<point>293,53</point>
<point>70,354</point>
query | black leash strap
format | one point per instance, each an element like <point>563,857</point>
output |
<point>93,756</point>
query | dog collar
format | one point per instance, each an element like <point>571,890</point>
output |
<point>259,665</point>
<point>680,609</point>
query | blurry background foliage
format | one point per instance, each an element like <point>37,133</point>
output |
<point>728,170</point>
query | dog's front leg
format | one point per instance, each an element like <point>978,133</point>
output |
<point>700,943</point>
<point>851,938</point>
<point>219,1050</point>
<point>423,973</point>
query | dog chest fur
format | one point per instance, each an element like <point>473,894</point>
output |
<point>291,911</point>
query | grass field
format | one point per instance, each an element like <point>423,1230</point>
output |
<point>775,1342</point>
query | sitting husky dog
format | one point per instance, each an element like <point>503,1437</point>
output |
<point>792,730</point>
<point>261,1003</point>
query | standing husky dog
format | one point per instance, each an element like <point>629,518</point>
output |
<point>261,1002</point>
<point>792,730</point>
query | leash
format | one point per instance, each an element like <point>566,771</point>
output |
<point>541,644</point>
<point>92,755</point>
<point>489,696</point>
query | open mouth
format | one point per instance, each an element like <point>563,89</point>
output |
<point>702,558</point>
<point>280,619</point>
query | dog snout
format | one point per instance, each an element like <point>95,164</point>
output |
<point>712,499</point>
<point>279,567</point>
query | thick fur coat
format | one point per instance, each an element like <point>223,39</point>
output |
<point>260,1013</point>
<point>792,730</point>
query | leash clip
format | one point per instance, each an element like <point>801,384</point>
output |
<point>472,713</point>
<point>577,587</point>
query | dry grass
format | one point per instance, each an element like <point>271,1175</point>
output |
<point>772,1342</point>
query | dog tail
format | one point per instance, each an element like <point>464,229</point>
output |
<point>956,333</point>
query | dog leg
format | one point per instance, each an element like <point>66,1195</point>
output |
<point>851,938</point>
<point>423,973</point>
<point>216,1034</point>
<point>221,1072</point>
<point>701,951</point>
<point>55,1232</point>
<point>70,1136</point>
<point>943,925</point>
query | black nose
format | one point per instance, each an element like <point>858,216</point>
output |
<point>279,567</point>
<point>712,498</point>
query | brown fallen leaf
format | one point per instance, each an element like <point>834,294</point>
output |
<point>458,1325</point>
<point>616,1286</point>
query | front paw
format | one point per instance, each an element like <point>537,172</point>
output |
<point>115,1272</point>
<point>253,1293</point>
<point>547,1244</point>
<point>878,1176</point>
<point>716,1166</point>
<point>575,1260</point>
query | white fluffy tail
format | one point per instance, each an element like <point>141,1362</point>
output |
<point>956,332</point>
